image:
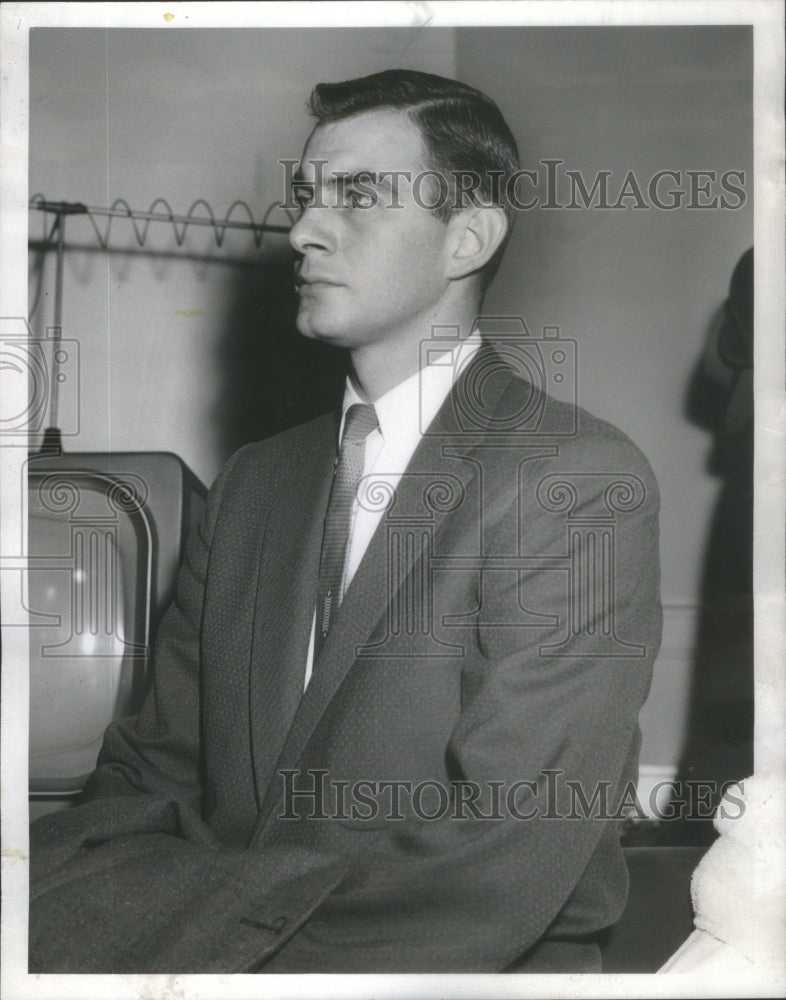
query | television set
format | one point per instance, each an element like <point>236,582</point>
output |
<point>106,533</point>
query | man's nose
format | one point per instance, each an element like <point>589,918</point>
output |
<point>311,230</point>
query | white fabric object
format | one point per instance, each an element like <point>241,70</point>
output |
<point>739,887</point>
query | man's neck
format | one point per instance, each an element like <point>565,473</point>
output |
<point>378,367</point>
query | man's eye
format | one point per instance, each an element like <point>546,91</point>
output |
<point>302,196</point>
<point>359,199</point>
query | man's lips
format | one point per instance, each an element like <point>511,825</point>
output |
<point>315,280</point>
<point>313,288</point>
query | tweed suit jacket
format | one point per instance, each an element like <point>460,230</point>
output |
<point>498,634</point>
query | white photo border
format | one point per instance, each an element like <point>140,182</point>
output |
<point>766,16</point>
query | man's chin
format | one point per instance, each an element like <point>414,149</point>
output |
<point>329,333</point>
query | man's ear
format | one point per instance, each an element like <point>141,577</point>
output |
<point>477,233</point>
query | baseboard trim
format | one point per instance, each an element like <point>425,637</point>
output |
<point>655,788</point>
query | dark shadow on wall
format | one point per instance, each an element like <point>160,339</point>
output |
<point>719,745</point>
<point>273,378</point>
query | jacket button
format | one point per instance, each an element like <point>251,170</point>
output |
<point>275,927</point>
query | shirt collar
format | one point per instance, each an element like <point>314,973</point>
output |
<point>405,411</point>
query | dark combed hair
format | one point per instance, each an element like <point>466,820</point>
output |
<point>462,130</point>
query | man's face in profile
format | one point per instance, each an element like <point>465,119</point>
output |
<point>371,260</point>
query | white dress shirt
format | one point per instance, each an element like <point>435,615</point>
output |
<point>403,413</point>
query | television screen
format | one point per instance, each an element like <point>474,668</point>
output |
<point>105,535</point>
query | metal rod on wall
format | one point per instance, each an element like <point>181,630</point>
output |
<point>57,333</point>
<point>120,209</point>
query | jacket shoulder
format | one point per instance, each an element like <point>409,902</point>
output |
<point>580,439</point>
<point>281,450</point>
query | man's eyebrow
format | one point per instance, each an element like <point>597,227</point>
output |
<point>368,176</point>
<point>363,174</point>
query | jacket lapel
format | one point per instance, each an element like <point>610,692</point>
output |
<point>366,602</point>
<point>286,591</point>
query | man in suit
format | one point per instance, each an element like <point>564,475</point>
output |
<point>393,726</point>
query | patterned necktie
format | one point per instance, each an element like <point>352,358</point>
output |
<point>361,420</point>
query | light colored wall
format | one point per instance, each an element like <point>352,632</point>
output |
<point>145,114</point>
<point>203,114</point>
